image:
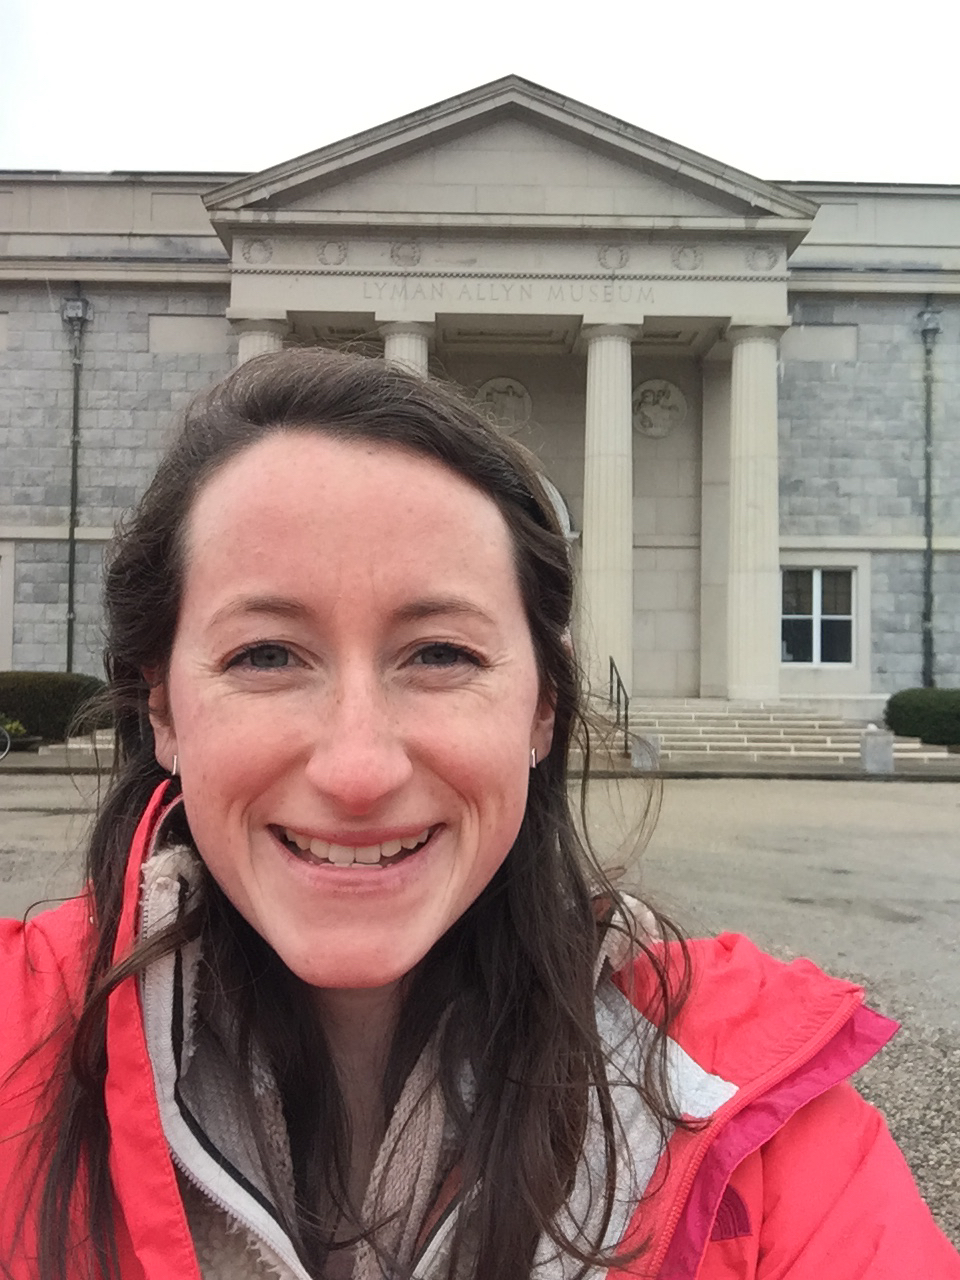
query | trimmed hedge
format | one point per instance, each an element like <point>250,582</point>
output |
<point>933,715</point>
<point>45,702</point>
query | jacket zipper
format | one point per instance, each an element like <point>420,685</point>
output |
<point>148,920</point>
<point>802,1055</point>
<point>233,1213</point>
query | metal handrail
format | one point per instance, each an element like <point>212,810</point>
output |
<point>620,699</point>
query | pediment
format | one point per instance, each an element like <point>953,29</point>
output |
<point>512,166</point>
<point>509,149</point>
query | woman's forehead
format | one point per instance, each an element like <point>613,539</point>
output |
<point>332,466</point>
<point>310,509</point>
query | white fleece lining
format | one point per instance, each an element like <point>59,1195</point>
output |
<point>164,875</point>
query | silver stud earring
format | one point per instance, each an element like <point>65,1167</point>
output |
<point>533,757</point>
<point>175,767</point>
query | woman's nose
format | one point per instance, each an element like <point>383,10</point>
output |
<point>359,757</point>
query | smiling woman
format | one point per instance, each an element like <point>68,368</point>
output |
<point>347,995</point>
<point>371,650</point>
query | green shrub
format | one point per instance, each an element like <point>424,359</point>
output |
<point>933,715</point>
<point>45,702</point>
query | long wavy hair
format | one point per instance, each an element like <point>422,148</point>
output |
<point>514,975</point>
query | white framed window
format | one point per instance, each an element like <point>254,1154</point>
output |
<point>816,625</point>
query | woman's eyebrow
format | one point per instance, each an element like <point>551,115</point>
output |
<point>418,610</point>
<point>415,611</point>
<point>275,606</point>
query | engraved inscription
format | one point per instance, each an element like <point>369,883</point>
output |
<point>509,292</point>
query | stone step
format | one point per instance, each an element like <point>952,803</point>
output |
<point>792,749</point>
<point>726,713</point>
<point>749,726</point>
<point>695,731</point>
<point>739,735</point>
<point>741,721</point>
<point>758,757</point>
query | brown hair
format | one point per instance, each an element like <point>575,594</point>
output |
<point>515,972</point>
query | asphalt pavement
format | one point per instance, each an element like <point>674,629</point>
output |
<point>863,878</point>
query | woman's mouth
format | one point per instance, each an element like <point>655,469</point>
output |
<point>373,856</point>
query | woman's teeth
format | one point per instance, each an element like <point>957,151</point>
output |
<point>342,855</point>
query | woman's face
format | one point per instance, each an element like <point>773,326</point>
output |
<point>353,698</point>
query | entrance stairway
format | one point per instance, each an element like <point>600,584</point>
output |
<point>700,732</point>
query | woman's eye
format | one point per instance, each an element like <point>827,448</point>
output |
<point>443,655</point>
<point>264,657</point>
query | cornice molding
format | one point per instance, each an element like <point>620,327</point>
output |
<point>276,220</point>
<point>114,272</point>
<point>814,280</point>
<point>417,274</point>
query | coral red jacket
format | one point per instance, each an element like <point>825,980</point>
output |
<point>791,1175</point>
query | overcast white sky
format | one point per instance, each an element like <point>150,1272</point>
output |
<point>823,89</point>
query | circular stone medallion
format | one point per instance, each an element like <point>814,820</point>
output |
<point>658,407</point>
<point>405,253</point>
<point>332,253</point>
<point>507,401</point>
<point>687,257</point>
<point>613,257</point>
<point>256,252</point>
<point>762,257</point>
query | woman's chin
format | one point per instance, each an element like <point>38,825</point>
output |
<point>353,973</point>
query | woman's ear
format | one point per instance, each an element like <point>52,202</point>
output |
<point>164,734</point>
<point>541,737</point>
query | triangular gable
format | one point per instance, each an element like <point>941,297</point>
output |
<point>512,165</point>
<point>423,157</point>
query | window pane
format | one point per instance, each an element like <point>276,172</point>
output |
<point>798,591</point>
<point>796,640</point>
<point>836,596</point>
<point>835,640</point>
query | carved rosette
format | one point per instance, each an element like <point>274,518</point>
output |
<point>405,253</point>
<point>257,252</point>
<point>507,402</point>
<point>762,257</point>
<point>658,407</point>
<point>687,257</point>
<point>332,253</point>
<point>613,257</point>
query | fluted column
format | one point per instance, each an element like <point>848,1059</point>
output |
<point>753,582</point>
<point>607,563</point>
<point>259,336</point>
<point>407,343</point>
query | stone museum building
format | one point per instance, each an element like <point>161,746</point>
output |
<point>745,393</point>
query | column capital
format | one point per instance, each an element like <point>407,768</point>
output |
<point>259,335</point>
<point>391,328</point>
<point>756,328</point>
<point>274,322</point>
<point>591,331</point>
<point>236,314</point>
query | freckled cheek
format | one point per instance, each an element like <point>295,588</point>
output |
<point>226,766</point>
